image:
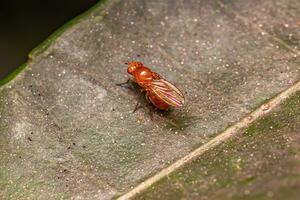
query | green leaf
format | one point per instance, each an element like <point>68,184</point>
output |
<point>68,132</point>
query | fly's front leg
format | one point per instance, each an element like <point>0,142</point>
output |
<point>127,83</point>
<point>123,84</point>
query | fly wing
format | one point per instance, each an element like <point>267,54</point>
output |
<point>167,92</point>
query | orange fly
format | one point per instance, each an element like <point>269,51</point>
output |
<point>162,94</point>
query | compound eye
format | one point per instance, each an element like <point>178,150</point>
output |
<point>131,69</point>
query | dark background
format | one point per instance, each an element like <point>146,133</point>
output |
<point>25,24</point>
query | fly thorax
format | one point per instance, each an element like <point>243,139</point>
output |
<point>144,75</point>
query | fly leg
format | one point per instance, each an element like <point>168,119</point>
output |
<point>151,111</point>
<point>125,84</point>
<point>137,105</point>
<point>151,108</point>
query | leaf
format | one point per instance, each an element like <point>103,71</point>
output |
<point>67,131</point>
